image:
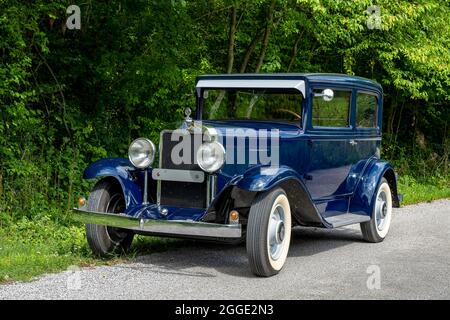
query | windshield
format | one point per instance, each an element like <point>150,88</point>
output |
<point>251,104</point>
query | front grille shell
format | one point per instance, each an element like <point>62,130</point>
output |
<point>181,194</point>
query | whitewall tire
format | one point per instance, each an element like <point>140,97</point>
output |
<point>269,232</point>
<point>377,228</point>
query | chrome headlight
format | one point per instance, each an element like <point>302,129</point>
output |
<point>211,156</point>
<point>141,153</point>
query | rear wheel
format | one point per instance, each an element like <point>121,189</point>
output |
<point>376,229</point>
<point>104,241</point>
<point>269,232</point>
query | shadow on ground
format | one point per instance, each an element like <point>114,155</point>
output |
<point>231,259</point>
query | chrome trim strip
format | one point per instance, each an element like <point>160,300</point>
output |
<point>169,227</point>
<point>158,182</point>
<point>178,175</point>
<point>145,196</point>
<point>318,138</point>
<point>211,189</point>
<point>208,192</point>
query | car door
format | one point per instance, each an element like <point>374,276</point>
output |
<point>330,146</point>
<point>367,134</point>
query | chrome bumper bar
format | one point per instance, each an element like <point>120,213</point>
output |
<point>160,227</point>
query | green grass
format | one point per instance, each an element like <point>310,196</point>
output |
<point>30,247</point>
<point>415,191</point>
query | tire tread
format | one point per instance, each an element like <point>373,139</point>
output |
<point>97,237</point>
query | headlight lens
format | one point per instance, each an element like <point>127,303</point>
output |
<point>211,156</point>
<point>141,153</point>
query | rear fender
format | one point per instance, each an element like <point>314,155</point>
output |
<point>363,199</point>
<point>130,179</point>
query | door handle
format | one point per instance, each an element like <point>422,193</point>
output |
<point>353,142</point>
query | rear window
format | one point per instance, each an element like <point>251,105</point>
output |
<point>366,110</point>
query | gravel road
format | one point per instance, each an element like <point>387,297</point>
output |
<point>412,263</point>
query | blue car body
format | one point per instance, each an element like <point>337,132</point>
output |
<point>326,172</point>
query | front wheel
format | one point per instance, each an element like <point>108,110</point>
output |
<point>104,241</point>
<point>269,232</point>
<point>376,229</point>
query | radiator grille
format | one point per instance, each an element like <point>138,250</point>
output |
<point>180,194</point>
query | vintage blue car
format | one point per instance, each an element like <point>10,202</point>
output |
<point>261,154</point>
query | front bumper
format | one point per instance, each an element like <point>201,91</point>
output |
<point>182,228</point>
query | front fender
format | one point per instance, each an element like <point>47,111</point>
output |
<point>263,178</point>
<point>124,172</point>
<point>260,179</point>
<point>363,199</point>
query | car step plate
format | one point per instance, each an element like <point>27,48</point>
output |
<point>346,219</point>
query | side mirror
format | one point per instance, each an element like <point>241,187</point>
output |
<point>327,95</point>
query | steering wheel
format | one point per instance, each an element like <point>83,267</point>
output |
<point>295,114</point>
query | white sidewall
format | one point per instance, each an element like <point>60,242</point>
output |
<point>282,201</point>
<point>387,223</point>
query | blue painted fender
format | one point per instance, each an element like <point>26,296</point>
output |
<point>120,169</point>
<point>363,199</point>
<point>259,179</point>
<point>262,178</point>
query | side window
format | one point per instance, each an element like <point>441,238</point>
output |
<point>366,110</point>
<point>334,113</point>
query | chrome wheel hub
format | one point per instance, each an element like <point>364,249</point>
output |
<point>381,210</point>
<point>280,232</point>
<point>276,232</point>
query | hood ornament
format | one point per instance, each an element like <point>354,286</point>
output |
<point>187,113</point>
<point>188,123</point>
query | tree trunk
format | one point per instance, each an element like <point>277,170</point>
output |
<point>231,38</point>
<point>230,61</point>
<point>391,117</point>
<point>258,37</point>
<point>266,37</point>
<point>1,185</point>
<point>294,51</point>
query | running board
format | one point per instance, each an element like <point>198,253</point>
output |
<point>346,219</point>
